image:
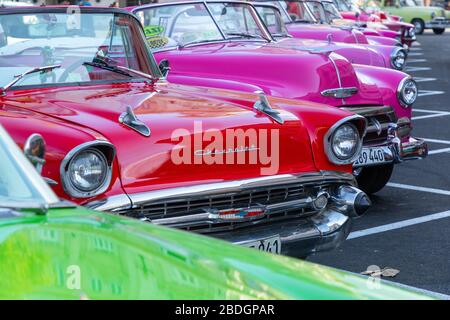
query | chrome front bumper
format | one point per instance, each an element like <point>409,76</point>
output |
<point>304,225</point>
<point>437,23</point>
<point>301,237</point>
<point>396,149</point>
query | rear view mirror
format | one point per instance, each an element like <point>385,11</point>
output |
<point>164,67</point>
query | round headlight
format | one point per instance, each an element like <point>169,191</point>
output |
<point>398,58</point>
<point>407,92</point>
<point>87,171</point>
<point>345,142</point>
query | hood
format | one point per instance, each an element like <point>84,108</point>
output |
<point>353,53</point>
<point>121,258</point>
<point>321,32</point>
<point>177,116</point>
<point>280,72</point>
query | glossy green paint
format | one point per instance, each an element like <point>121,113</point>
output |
<point>119,258</point>
<point>410,13</point>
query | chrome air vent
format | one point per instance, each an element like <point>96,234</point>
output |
<point>379,119</point>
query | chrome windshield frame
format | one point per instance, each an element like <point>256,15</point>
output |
<point>152,63</point>
<point>266,35</point>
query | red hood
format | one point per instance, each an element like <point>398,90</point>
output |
<point>145,162</point>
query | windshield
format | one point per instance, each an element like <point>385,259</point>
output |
<point>178,25</point>
<point>342,5</point>
<point>272,20</point>
<point>408,3</point>
<point>325,12</point>
<point>294,11</point>
<point>17,188</point>
<point>34,40</point>
<point>236,19</point>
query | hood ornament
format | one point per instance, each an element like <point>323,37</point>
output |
<point>330,38</point>
<point>340,93</point>
<point>263,105</point>
<point>129,119</point>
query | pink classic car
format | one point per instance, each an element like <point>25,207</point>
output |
<point>350,11</point>
<point>390,57</point>
<point>206,41</point>
<point>309,19</point>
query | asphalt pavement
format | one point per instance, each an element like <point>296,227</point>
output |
<point>408,227</point>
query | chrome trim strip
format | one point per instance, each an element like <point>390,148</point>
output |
<point>206,217</point>
<point>123,202</point>
<point>370,110</point>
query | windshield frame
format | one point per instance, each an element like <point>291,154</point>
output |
<point>29,175</point>
<point>267,36</point>
<point>321,3</point>
<point>262,4</point>
<point>152,64</point>
<point>284,12</point>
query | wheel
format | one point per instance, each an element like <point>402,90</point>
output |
<point>373,179</point>
<point>419,25</point>
<point>438,31</point>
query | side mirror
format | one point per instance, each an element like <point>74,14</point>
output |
<point>34,150</point>
<point>164,67</point>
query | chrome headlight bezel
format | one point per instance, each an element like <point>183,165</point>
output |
<point>401,92</point>
<point>395,54</point>
<point>329,137</point>
<point>104,151</point>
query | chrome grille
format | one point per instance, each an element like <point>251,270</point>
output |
<point>379,118</point>
<point>161,211</point>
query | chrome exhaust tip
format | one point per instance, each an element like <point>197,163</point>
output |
<point>351,201</point>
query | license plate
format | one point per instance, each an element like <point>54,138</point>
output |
<point>272,245</point>
<point>370,156</point>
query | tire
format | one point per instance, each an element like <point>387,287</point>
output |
<point>373,179</point>
<point>419,25</point>
<point>438,31</point>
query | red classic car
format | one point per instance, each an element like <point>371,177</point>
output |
<point>259,171</point>
<point>227,41</point>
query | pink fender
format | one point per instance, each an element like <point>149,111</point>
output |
<point>386,81</point>
<point>383,41</point>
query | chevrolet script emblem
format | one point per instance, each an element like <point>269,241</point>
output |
<point>241,214</point>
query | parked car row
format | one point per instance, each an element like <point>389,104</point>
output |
<point>254,123</point>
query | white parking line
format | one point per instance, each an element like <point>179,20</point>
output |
<point>398,225</point>
<point>417,188</point>
<point>416,60</point>
<point>415,54</point>
<point>430,116</point>
<point>445,150</point>
<point>436,140</point>
<point>416,69</point>
<point>423,93</point>
<point>430,111</point>
<point>423,79</point>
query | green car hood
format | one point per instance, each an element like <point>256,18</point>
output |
<point>74,253</point>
